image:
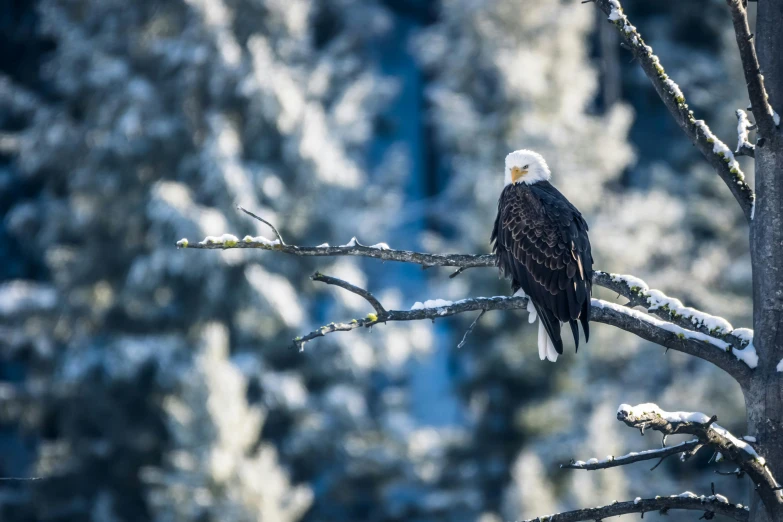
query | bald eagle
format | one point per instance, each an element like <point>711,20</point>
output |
<point>540,242</point>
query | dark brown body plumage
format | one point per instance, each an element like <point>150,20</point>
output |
<point>540,241</point>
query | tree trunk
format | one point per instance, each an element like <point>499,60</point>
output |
<point>764,395</point>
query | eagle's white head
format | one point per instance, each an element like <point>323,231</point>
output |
<point>526,166</point>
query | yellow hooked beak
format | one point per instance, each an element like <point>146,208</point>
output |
<point>517,174</point>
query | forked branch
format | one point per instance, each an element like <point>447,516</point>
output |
<point>686,449</point>
<point>645,326</point>
<point>650,416</point>
<point>682,329</point>
<point>765,116</point>
<point>714,150</point>
<point>686,501</point>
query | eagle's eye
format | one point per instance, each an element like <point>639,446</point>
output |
<point>525,167</point>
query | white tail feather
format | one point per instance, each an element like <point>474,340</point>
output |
<point>551,353</point>
<point>531,311</point>
<point>546,350</point>
<point>542,340</point>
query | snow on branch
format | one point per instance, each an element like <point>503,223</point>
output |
<point>671,336</point>
<point>647,327</point>
<point>744,147</point>
<point>685,450</point>
<point>352,248</point>
<point>650,416</point>
<point>687,501</point>
<point>682,329</point>
<point>766,118</point>
<point>432,309</point>
<point>738,341</point>
<point>715,151</point>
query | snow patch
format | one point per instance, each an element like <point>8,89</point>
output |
<point>431,303</point>
<point>225,239</point>
<point>658,300</point>
<point>616,12</point>
<point>748,355</point>
<point>720,148</point>
<point>743,125</point>
<point>669,327</point>
<point>779,367</point>
<point>380,246</point>
<point>630,281</point>
<point>260,239</point>
<point>351,243</point>
<point>675,90</point>
<point>323,245</point>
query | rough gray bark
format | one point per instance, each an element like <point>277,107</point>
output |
<point>764,393</point>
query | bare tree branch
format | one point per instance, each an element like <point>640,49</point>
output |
<point>432,313</point>
<point>689,447</point>
<point>687,501</point>
<point>351,288</point>
<point>765,116</point>
<point>645,326</point>
<point>671,337</point>
<point>715,151</point>
<point>462,261</point>
<point>639,295</point>
<point>650,416</point>
<point>744,147</point>
<point>686,330</point>
<point>671,309</point>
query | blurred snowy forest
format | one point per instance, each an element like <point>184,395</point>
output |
<point>145,383</point>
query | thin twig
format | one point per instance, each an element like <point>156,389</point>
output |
<point>737,472</point>
<point>470,329</point>
<point>351,288</point>
<point>458,272</point>
<point>624,460</point>
<point>262,220</point>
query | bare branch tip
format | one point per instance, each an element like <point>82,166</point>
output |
<point>264,221</point>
